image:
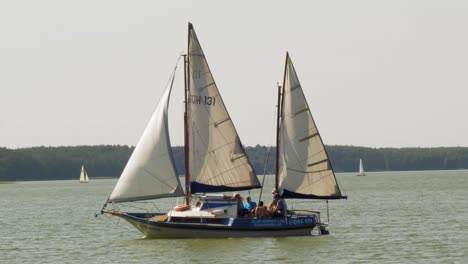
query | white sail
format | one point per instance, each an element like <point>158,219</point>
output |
<point>83,175</point>
<point>304,167</point>
<point>150,173</point>
<point>217,161</point>
<point>361,169</point>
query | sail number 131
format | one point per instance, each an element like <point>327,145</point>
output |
<point>206,100</point>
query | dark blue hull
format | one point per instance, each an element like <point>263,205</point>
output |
<point>155,226</point>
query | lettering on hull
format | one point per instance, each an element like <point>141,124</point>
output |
<point>282,222</point>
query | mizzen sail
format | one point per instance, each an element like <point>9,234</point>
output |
<point>150,172</point>
<point>304,167</point>
<point>217,160</point>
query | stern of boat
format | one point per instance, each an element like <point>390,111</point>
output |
<point>320,227</point>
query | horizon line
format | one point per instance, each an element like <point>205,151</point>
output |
<point>268,146</point>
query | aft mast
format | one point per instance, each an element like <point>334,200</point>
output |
<point>186,137</point>
<point>277,136</point>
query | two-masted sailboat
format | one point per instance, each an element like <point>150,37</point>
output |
<point>215,162</point>
<point>83,175</point>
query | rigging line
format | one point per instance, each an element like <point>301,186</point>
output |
<point>163,182</point>
<point>174,71</point>
<point>264,173</point>
<point>272,133</point>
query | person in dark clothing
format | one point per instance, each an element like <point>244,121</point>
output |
<point>278,207</point>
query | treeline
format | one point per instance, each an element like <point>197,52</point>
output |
<point>345,158</point>
<point>58,163</point>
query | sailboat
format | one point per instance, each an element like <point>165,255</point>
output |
<point>215,164</point>
<point>361,169</point>
<point>83,175</point>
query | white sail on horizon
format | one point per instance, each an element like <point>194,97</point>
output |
<point>304,166</point>
<point>150,172</point>
<point>361,169</point>
<point>83,175</point>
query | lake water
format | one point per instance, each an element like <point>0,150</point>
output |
<point>391,217</point>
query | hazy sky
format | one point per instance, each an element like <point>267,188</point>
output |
<point>375,73</point>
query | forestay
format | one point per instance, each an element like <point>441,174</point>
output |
<point>217,159</point>
<point>150,173</point>
<point>304,167</point>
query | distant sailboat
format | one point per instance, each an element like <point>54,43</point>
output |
<point>83,175</point>
<point>361,169</point>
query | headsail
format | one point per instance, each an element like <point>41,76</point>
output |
<point>304,167</point>
<point>217,159</point>
<point>150,173</point>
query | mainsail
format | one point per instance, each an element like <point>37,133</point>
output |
<point>217,160</point>
<point>150,173</point>
<point>304,167</point>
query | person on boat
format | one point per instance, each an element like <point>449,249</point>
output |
<point>274,192</point>
<point>272,206</point>
<point>250,205</point>
<point>261,211</point>
<point>240,204</point>
<point>278,207</point>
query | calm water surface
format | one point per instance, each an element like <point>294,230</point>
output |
<point>391,217</point>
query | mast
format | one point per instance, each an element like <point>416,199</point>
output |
<point>186,138</point>
<point>278,106</point>
<point>279,115</point>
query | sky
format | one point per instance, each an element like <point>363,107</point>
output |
<point>375,73</point>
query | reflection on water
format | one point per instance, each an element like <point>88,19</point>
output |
<point>391,217</point>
